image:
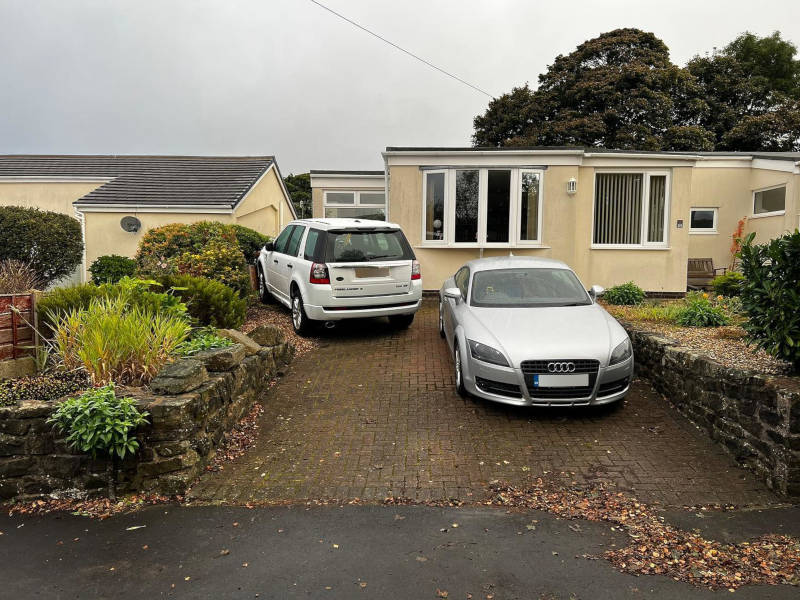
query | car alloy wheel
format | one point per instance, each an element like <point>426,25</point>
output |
<point>441,320</point>
<point>262,287</point>
<point>297,313</point>
<point>459,374</point>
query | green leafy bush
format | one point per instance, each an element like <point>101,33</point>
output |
<point>44,388</point>
<point>50,243</point>
<point>701,312</point>
<point>204,339</point>
<point>250,241</point>
<point>624,294</point>
<point>209,302</point>
<point>728,284</point>
<point>145,294</point>
<point>117,342</point>
<point>111,268</point>
<point>203,249</point>
<point>771,295</point>
<point>98,422</point>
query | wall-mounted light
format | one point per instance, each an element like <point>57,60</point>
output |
<point>572,186</point>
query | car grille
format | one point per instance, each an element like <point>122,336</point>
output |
<point>539,367</point>
<point>496,387</point>
<point>612,387</point>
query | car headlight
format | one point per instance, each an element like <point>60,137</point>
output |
<point>622,352</point>
<point>487,353</point>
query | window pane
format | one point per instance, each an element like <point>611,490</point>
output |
<point>371,198</point>
<point>340,198</point>
<point>434,206</point>
<point>655,216</point>
<point>467,206</point>
<point>364,246</point>
<point>618,208</point>
<point>375,214</point>
<point>702,219</point>
<point>311,244</point>
<point>498,204</point>
<point>770,200</point>
<point>283,239</point>
<point>294,241</point>
<point>529,207</point>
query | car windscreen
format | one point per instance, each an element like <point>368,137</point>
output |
<point>515,288</point>
<point>366,246</point>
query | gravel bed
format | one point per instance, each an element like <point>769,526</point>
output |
<point>726,345</point>
<point>274,314</point>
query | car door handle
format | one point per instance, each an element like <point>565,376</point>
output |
<point>290,265</point>
<point>275,261</point>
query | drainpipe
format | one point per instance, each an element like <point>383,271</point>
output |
<point>82,220</point>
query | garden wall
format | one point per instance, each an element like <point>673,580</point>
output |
<point>755,417</point>
<point>192,403</point>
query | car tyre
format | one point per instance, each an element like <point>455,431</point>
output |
<point>263,292</point>
<point>441,320</point>
<point>459,372</point>
<point>300,322</point>
<point>401,321</point>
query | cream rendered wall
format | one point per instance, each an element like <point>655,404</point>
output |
<point>105,236</point>
<point>53,196</point>
<point>316,203</point>
<point>566,233</point>
<point>731,191</point>
<point>261,207</point>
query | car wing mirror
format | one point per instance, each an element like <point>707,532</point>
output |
<point>596,291</point>
<point>269,246</point>
<point>453,293</point>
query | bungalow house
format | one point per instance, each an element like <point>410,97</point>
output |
<point>119,198</point>
<point>614,216</point>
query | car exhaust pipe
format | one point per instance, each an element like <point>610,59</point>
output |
<point>330,324</point>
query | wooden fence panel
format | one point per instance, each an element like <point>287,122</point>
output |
<point>16,336</point>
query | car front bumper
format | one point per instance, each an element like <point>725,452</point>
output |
<point>507,385</point>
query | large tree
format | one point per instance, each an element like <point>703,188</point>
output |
<point>299,188</point>
<point>752,87</point>
<point>620,90</point>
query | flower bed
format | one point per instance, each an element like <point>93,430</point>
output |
<point>192,404</point>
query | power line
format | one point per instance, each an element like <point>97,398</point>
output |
<point>411,54</point>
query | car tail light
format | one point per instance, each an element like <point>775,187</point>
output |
<point>416,273</point>
<point>319,273</point>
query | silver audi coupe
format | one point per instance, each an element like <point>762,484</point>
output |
<point>525,331</point>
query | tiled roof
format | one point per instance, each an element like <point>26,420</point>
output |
<point>149,180</point>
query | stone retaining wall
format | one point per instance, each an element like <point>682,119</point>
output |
<point>755,417</point>
<point>189,417</point>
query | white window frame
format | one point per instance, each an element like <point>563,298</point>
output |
<point>774,213</point>
<point>515,203</point>
<point>356,200</point>
<point>702,231</point>
<point>646,175</point>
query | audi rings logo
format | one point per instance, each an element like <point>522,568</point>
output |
<point>561,367</point>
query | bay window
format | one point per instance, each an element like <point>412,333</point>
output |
<point>355,204</point>
<point>493,207</point>
<point>631,209</point>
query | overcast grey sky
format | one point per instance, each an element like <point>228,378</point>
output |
<point>285,77</point>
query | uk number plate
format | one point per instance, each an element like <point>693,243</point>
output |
<point>569,380</point>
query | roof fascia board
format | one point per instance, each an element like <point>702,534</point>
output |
<point>483,159</point>
<point>155,208</point>
<point>286,195</point>
<point>775,165</point>
<point>342,183</point>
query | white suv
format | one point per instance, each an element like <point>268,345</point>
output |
<point>326,270</point>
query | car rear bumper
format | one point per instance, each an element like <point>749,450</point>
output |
<point>507,385</point>
<point>322,313</point>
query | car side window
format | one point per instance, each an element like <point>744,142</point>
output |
<point>462,280</point>
<point>294,241</point>
<point>311,244</point>
<point>283,238</point>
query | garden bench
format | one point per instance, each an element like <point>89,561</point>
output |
<point>700,272</point>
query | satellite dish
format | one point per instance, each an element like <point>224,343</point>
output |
<point>130,224</point>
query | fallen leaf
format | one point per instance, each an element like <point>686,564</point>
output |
<point>441,593</point>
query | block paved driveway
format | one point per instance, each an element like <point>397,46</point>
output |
<point>372,412</point>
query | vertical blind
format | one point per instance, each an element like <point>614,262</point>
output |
<point>618,208</point>
<point>655,213</point>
